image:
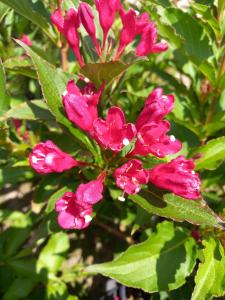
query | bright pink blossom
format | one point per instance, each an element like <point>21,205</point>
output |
<point>113,133</point>
<point>152,138</point>
<point>91,192</point>
<point>148,43</point>
<point>128,33</point>
<point>156,107</point>
<point>87,19</point>
<point>47,158</point>
<point>73,213</point>
<point>107,11</point>
<point>25,39</point>
<point>68,26</point>
<point>177,176</point>
<point>81,105</point>
<point>142,21</point>
<point>131,176</point>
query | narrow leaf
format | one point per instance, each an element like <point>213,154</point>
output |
<point>32,110</point>
<point>212,154</point>
<point>4,98</point>
<point>176,208</point>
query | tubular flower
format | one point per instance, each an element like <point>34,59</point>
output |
<point>81,105</point>
<point>177,176</point>
<point>87,19</point>
<point>131,176</point>
<point>129,29</point>
<point>114,133</point>
<point>107,11</point>
<point>68,26</point>
<point>91,192</point>
<point>25,39</point>
<point>148,43</point>
<point>72,212</point>
<point>156,107</point>
<point>47,158</point>
<point>152,138</point>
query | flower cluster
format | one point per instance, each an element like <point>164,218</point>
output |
<point>133,25</point>
<point>150,136</point>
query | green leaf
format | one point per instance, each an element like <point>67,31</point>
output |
<point>19,289</point>
<point>52,200</point>
<point>103,72</point>
<point>3,11</point>
<point>213,154</point>
<point>160,263</point>
<point>195,40</point>
<point>13,175</point>
<point>28,11</point>
<point>52,255</point>
<point>32,110</point>
<point>53,82</point>
<point>20,66</point>
<point>206,13</point>
<point>4,98</point>
<point>167,205</point>
<point>210,277</point>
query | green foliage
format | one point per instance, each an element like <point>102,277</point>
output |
<point>210,277</point>
<point>159,264</point>
<point>151,251</point>
<point>176,208</point>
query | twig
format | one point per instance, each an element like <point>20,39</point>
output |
<point>115,232</point>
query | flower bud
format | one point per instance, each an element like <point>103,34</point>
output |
<point>47,158</point>
<point>81,105</point>
<point>107,11</point>
<point>87,19</point>
<point>177,176</point>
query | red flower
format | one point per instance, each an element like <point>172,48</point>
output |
<point>81,105</point>
<point>130,176</point>
<point>73,213</point>
<point>128,33</point>
<point>107,11</point>
<point>68,26</point>
<point>156,107</point>
<point>114,133</point>
<point>91,192</point>
<point>47,158</point>
<point>87,19</point>
<point>177,176</point>
<point>148,43</point>
<point>152,138</point>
